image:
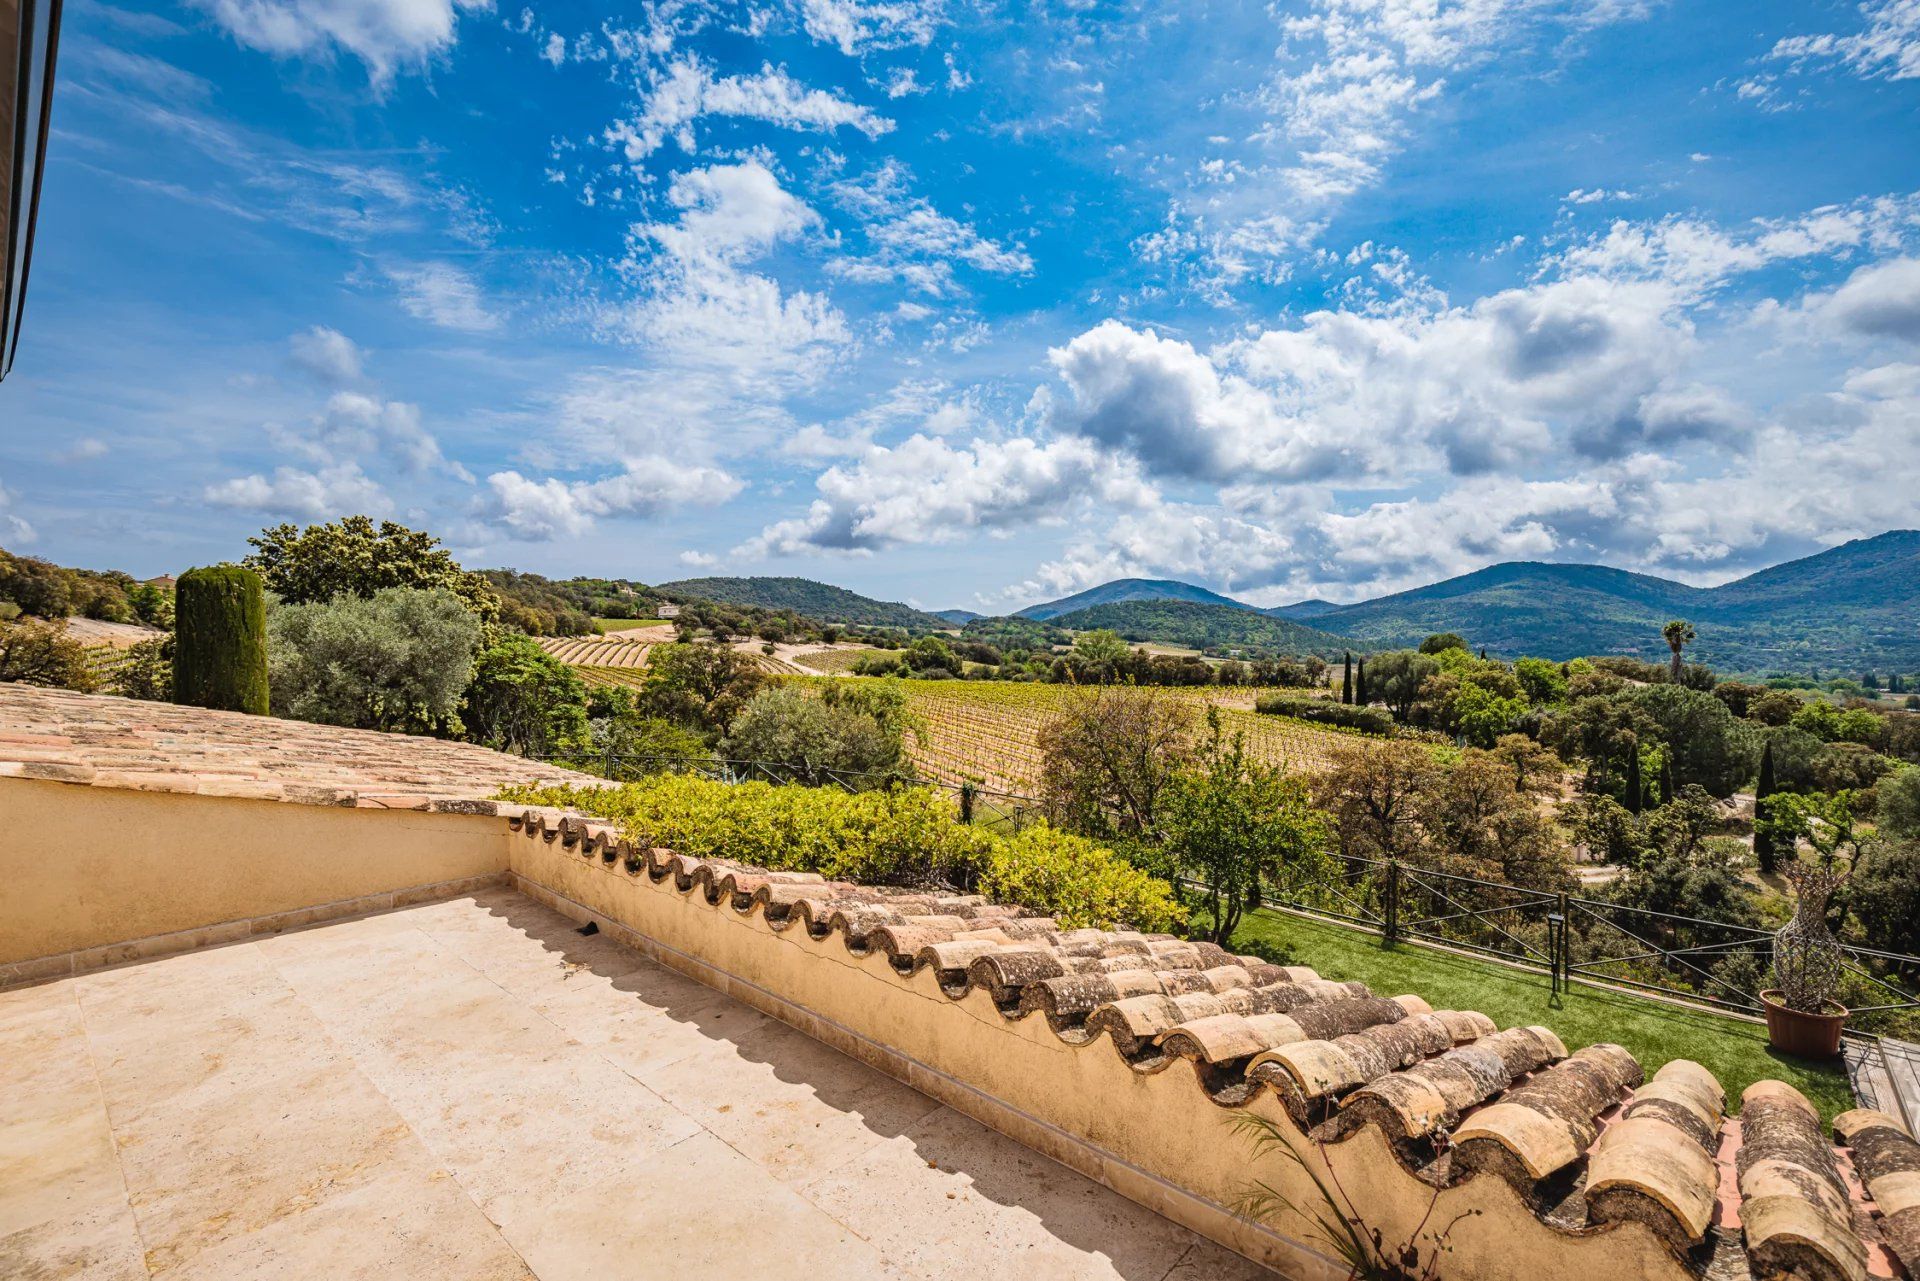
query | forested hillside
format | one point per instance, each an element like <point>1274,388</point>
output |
<point>805,596</point>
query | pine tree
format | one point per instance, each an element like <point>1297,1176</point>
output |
<point>1636,791</point>
<point>1360,684</point>
<point>1762,838</point>
<point>1346,679</point>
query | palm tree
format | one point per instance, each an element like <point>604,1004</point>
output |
<point>1679,635</point>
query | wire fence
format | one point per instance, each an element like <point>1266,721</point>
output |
<point>1569,938</point>
<point>1574,939</point>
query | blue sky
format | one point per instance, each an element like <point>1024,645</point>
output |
<point>976,304</point>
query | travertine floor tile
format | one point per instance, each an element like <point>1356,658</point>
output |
<point>470,1090</point>
<point>795,1106</point>
<point>965,1201</point>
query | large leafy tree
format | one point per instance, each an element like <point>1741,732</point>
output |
<point>700,686</point>
<point>1395,679</point>
<point>355,557</point>
<point>525,700</point>
<point>396,660</point>
<point>1108,756</point>
<point>1707,744</point>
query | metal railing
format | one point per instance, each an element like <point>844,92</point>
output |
<point>1575,939</point>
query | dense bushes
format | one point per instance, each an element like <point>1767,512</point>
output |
<point>909,836</point>
<point>41,653</point>
<point>1324,711</point>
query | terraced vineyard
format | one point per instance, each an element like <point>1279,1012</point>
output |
<point>598,651</point>
<point>842,660</point>
<point>988,731</point>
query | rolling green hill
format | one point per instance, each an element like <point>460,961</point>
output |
<point>1130,589</point>
<point>1202,626</point>
<point>805,596</point>
<point>1850,607</point>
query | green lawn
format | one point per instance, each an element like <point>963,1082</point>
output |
<point>1734,1050</point>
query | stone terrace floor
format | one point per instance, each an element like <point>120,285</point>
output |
<point>470,1089</point>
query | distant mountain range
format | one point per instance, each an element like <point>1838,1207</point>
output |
<point>1856,605</point>
<point>805,596</point>
<point>1851,607</point>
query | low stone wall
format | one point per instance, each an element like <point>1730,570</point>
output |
<point>93,876</point>
<point>1159,1137</point>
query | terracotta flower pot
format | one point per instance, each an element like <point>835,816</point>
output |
<point>1804,1035</point>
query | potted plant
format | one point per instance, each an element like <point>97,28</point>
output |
<point>1803,1018</point>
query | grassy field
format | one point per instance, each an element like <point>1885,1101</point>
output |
<point>1734,1050</point>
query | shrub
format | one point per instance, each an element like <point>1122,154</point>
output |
<point>41,653</point>
<point>397,660</point>
<point>812,738</point>
<point>146,672</point>
<point>908,836</point>
<point>1324,711</point>
<point>220,640</point>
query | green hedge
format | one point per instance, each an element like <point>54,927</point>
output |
<point>220,640</point>
<point>1326,711</point>
<point>909,836</point>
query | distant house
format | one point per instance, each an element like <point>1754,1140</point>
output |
<point>667,611</point>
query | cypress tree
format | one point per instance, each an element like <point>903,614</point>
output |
<point>1762,838</point>
<point>1636,792</point>
<point>1346,679</point>
<point>1360,684</point>
<point>1666,778</point>
<point>220,640</point>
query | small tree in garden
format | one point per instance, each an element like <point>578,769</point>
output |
<point>220,640</point>
<point>1231,823</point>
<point>1807,960</point>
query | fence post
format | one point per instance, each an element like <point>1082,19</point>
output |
<point>606,763</point>
<point>1390,900</point>
<point>1562,947</point>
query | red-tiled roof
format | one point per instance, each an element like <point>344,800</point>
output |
<point>1582,1137</point>
<point>122,742</point>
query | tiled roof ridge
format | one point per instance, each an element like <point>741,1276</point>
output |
<point>1583,1139</point>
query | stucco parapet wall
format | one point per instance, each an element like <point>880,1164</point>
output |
<point>100,740</point>
<point>1533,1161</point>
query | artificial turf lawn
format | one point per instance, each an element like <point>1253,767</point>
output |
<point>1734,1050</point>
